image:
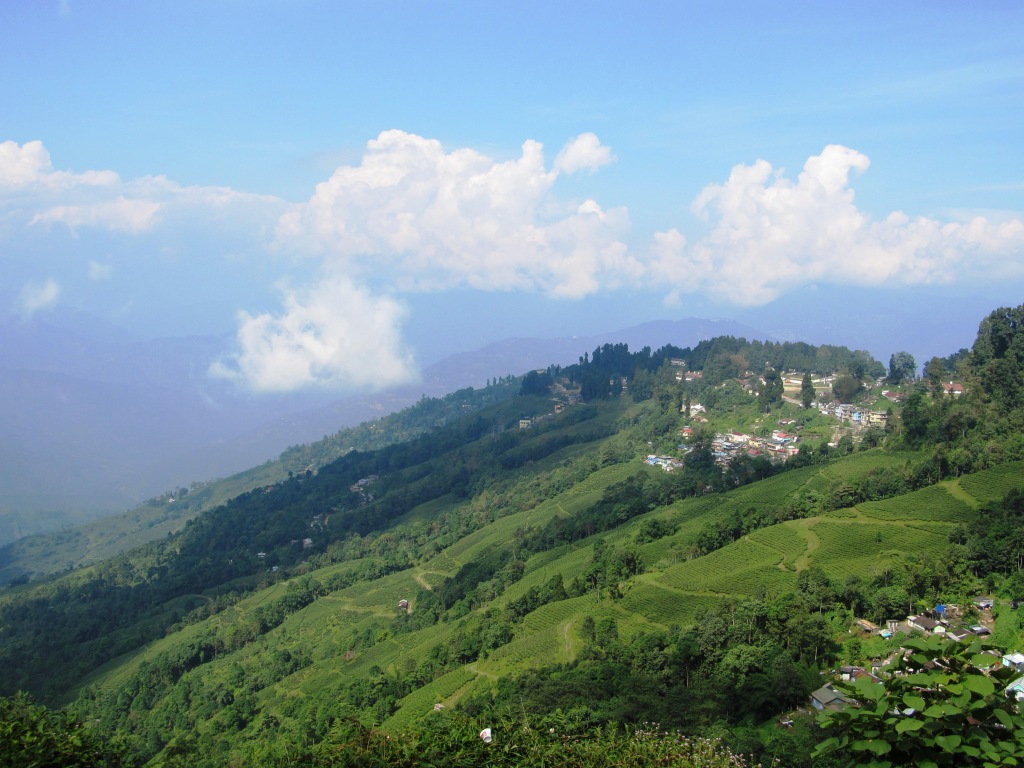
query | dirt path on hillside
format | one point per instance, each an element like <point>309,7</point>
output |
<point>479,672</point>
<point>954,489</point>
<point>422,582</point>
<point>653,578</point>
<point>813,542</point>
<point>567,634</point>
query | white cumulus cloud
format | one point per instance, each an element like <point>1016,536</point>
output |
<point>29,165</point>
<point>120,215</point>
<point>585,152</point>
<point>34,193</point>
<point>335,335</point>
<point>412,215</point>
<point>433,219</point>
<point>36,296</point>
<point>770,235</point>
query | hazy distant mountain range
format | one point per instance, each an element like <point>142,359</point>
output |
<point>92,421</point>
<point>924,322</point>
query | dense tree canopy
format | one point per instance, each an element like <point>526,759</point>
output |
<point>901,368</point>
<point>847,387</point>
<point>998,356</point>
<point>807,391</point>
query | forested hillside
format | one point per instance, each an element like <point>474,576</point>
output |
<point>535,559</point>
<point>42,554</point>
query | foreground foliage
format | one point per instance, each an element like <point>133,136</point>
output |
<point>455,740</point>
<point>944,705</point>
<point>32,736</point>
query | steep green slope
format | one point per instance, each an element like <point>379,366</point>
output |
<point>43,554</point>
<point>484,565</point>
<point>307,521</point>
<point>352,651</point>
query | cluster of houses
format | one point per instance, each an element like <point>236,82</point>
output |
<point>945,620</point>
<point>851,414</point>
<point>728,445</point>
<point>564,398</point>
<point>668,463</point>
<point>780,446</point>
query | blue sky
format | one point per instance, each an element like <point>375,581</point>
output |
<point>350,187</point>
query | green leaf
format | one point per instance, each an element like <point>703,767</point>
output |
<point>918,678</point>
<point>980,684</point>
<point>962,700</point>
<point>934,711</point>
<point>877,746</point>
<point>909,724</point>
<point>827,746</point>
<point>914,701</point>
<point>868,689</point>
<point>1007,749</point>
<point>949,743</point>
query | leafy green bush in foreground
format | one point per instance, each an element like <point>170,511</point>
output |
<point>454,741</point>
<point>944,705</point>
<point>33,736</point>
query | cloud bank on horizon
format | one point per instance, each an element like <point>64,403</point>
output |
<point>413,216</point>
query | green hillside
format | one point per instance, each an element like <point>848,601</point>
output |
<point>44,554</point>
<point>358,633</point>
<point>530,558</point>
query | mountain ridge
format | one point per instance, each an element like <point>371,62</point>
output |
<point>84,446</point>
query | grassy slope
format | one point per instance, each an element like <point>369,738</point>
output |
<point>673,590</point>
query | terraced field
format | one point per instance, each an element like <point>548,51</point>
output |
<point>727,572</point>
<point>421,702</point>
<point>789,539</point>
<point>674,591</point>
<point>664,605</point>
<point>862,549</point>
<point>774,490</point>
<point>934,503</point>
<point>856,466</point>
<point>993,484</point>
<point>558,613</point>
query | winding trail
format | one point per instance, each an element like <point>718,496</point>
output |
<point>422,582</point>
<point>567,634</point>
<point>954,489</point>
<point>813,542</point>
<point>479,672</point>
